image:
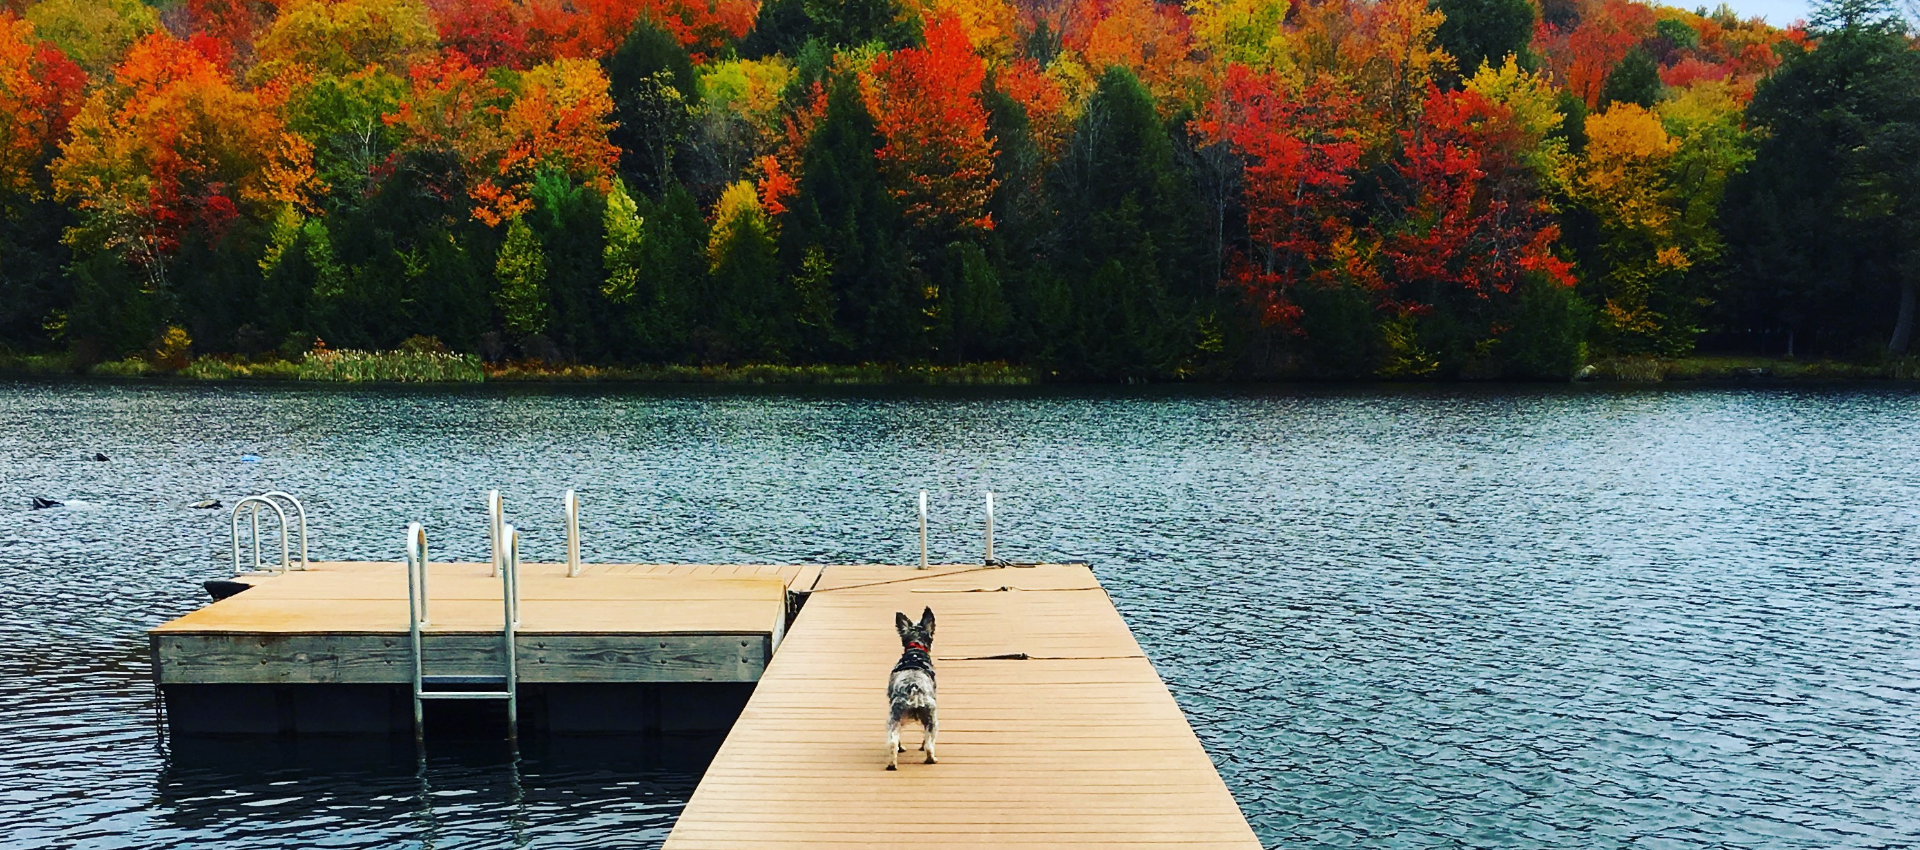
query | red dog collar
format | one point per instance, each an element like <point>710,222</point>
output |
<point>919,646</point>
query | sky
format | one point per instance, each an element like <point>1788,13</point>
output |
<point>1777,12</point>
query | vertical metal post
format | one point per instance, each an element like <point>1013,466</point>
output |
<point>923,529</point>
<point>571,505</point>
<point>510,591</point>
<point>989,526</point>
<point>496,517</point>
<point>416,613</point>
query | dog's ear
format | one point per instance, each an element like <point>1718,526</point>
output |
<point>926,621</point>
<point>901,623</point>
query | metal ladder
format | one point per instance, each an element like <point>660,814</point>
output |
<point>272,501</point>
<point>506,565</point>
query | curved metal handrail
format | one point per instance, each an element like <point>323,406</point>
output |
<point>285,551</point>
<point>300,511</point>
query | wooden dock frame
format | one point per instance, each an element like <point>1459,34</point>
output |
<point>1056,731</point>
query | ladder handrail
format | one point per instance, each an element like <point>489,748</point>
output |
<point>570,507</point>
<point>510,593</point>
<point>417,611</point>
<point>300,511</point>
<point>989,560</point>
<point>507,559</point>
<point>285,552</point>
<point>496,518</point>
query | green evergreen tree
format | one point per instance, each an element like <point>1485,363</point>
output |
<point>1824,226</point>
<point>655,93</point>
<point>754,311</point>
<point>850,23</point>
<point>671,295</point>
<point>1023,221</point>
<point>1481,31</point>
<point>36,293</point>
<point>843,211</point>
<point>522,274</point>
<point>1635,79</point>
<point>568,220</point>
<point>974,318</point>
<point>1129,240</point>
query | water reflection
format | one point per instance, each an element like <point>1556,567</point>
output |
<point>599,791</point>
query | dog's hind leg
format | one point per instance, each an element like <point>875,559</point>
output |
<point>893,741</point>
<point>932,724</point>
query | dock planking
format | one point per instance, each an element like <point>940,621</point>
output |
<point>1055,730</point>
<point>346,623</point>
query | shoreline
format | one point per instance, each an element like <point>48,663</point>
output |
<point>468,370</point>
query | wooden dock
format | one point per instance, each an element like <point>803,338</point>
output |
<point>346,623</point>
<point>1055,729</point>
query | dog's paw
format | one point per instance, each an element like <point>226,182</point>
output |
<point>893,767</point>
<point>931,759</point>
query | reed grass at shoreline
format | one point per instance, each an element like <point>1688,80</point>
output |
<point>429,367</point>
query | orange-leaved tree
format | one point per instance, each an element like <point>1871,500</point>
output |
<point>936,154</point>
<point>40,90</point>
<point>170,150</point>
<point>558,123</point>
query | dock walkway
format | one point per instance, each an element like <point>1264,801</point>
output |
<point>1055,730</point>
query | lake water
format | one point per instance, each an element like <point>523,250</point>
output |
<point>1404,618</point>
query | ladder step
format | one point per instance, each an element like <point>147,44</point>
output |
<point>429,681</point>
<point>465,695</point>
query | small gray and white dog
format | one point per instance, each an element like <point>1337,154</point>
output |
<point>910,689</point>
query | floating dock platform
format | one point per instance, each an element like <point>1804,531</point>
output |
<point>1055,729</point>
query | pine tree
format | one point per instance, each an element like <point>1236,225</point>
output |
<point>568,222</point>
<point>754,311</point>
<point>522,274</point>
<point>844,212</point>
<point>1129,246</point>
<point>1823,224</point>
<point>654,95</point>
<point>1635,79</point>
<point>1480,31</point>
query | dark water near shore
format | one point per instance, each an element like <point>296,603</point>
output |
<point>1463,617</point>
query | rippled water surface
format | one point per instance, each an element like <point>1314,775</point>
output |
<point>1564,617</point>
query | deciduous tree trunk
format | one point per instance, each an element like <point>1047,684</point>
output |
<point>1903,325</point>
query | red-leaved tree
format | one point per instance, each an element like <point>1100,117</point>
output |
<point>1465,218</point>
<point>1300,154</point>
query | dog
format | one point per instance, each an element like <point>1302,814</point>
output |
<point>910,688</point>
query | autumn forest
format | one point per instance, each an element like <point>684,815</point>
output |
<point>1100,189</point>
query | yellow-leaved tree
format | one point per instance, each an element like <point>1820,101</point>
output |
<point>1621,179</point>
<point>342,37</point>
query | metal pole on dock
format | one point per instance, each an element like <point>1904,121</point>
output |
<point>510,593</point>
<point>416,612</point>
<point>923,529</point>
<point>496,518</point>
<point>989,526</point>
<point>571,507</point>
